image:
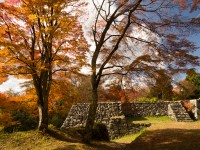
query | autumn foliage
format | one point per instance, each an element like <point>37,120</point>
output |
<point>40,38</point>
<point>5,116</point>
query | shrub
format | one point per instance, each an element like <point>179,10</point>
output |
<point>147,100</point>
<point>27,121</point>
<point>189,108</point>
<point>23,122</point>
<point>57,120</point>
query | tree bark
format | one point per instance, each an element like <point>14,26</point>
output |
<point>43,115</point>
<point>92,111</point>
<point>42,86</point>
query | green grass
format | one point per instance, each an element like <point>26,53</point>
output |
<point>152,120</point>
<point>161,118</point>
<point>129,138</point>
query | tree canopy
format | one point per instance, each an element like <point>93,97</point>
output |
<point>194,78</point>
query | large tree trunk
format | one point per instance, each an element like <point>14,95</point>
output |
<point>92,112</point>
<point>42,87</point>
<point>43,114</point>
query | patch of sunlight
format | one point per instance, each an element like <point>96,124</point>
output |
<point>1,128</point>
<point>129,138</point>
<point>160,118</point>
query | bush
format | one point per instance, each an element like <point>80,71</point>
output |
<point>57,120</point>
<point>27,122</point>
<point>189,108</point>
<point>24,121</point>
<point>147,100</point>
<point>10,128</point>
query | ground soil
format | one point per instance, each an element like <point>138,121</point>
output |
<point>168,136</point>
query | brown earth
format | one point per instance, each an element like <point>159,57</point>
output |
<point>168,136</point>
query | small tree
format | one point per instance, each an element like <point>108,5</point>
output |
<point>162,89</point>
<point>194,78</point>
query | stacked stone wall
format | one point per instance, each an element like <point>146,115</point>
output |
<point>145,109</point>
<point>198,108</point>
<point>178,112</point>
<point>77,115</point>
<point>119,126</point>
<point>107,112</point>
<point>79,112</point>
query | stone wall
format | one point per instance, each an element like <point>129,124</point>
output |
<point>119,126</point>
<point>196,107</point>
<point>171,112</point>
<point>178,112</point>
<point>108,111</point>
<point>79,112</point>
<point>105,110</point>
<point>77,116</point>
<point>145,109</point>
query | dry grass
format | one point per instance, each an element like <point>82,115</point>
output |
<point>164,134</point>
<point>168,135</point>
<point>55,140</point>
<point>129,138</point>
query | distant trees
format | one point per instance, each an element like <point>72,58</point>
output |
<point>162,89</point>
<point>18,112</point>
<point>194,78</point>
<point>189,88</point>
<point>5,115</point>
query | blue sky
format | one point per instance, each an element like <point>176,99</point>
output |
<point>196,36</point>
<point>196,40</point>
<point>1,0</point>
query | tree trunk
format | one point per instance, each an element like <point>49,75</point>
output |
<point>42,86</point>
<point>92,112</point>
<point>43,115</point>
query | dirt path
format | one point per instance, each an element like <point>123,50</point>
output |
<point>169,136</point>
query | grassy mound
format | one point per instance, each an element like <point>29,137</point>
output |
<point>55,139</point>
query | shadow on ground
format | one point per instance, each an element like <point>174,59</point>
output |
<point>167,139</point>
<point>139,118</point>
<point>75,141</point>
<point>64,135</point>
<point>95,146</point>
